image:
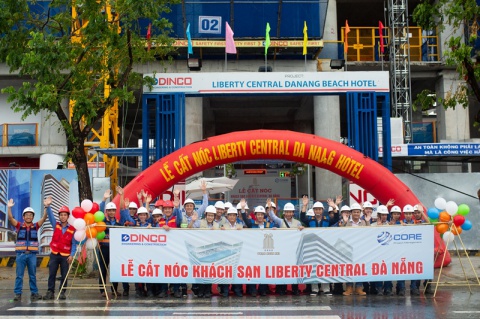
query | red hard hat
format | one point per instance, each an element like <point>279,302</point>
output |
<point>168,203</point>
<point>64,209</point>
<point>159,203</point>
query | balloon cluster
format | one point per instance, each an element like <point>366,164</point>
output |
<point>450,218</point>
<point>89,223</point>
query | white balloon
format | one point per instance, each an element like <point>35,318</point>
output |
<point>79,224</point>
<point>440,203</point>
<point>71,220</point>
<point>448,237</point>
<point>86,205</point>
<point>79,235</point>
<point>451,207</point>
<point>91,243</point>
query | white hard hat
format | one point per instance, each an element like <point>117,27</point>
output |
<point>382,209</point>
<point>210,209</point>
<point>142,210</point>
<point>355,206</point>
<point>133,205</point>
<point>344,208</point>
<point>415,207</point>
<point>188,201</point>
<point>408,208</point>
<point>310,212</point>
<point>110,206</point>
<point>273,205</point>
<point>219,204</point>
<point>330,208</point>
<point>367,204</point>
<point>395,209</point>
<point>232,210</point>
<point>239,206</point>
<point>289,207</point>
<point>259,209</point>
<point>28,210</point>
<point>157,211</point>
<point>228,205</point>
<point>318,205</point>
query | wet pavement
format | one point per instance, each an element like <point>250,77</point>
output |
<point>453,300</point>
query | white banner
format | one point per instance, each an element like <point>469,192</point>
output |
<point>271,256</point>
<point>269,82</point>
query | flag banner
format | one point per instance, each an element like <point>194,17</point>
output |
<point>189,39</point>
<point>271,256</point>
<point>229,42</point>
<point>380,33</point>
<point>149,36</point>
<point>267,38</point>
<point>347,30</point>
<point>305,37</point>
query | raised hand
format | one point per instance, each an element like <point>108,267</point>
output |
<point>338,200</point>
<point>107,194</point>
<point>47,201</point>
<point>10,203</point>
<point>305,201</point>
<point>119,190</point>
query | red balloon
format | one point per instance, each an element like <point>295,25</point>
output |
<point>458,220</point>
<point>78,212</point>
<point>95,208</point>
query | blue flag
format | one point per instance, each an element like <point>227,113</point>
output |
<point>189,38</point>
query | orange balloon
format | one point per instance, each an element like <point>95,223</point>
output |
<point>456,230</point>
<point>101,226</point>
<point>89,218</point>
<point>441,228</point>
<point>91,232</point>
<point>444,217</point>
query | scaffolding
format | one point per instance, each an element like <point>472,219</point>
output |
<point>399,54</point>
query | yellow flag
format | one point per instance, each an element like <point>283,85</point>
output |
<point>305,37</point>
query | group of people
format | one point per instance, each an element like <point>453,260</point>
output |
<point>168,214</point>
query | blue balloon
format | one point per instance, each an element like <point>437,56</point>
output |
<point>433,212</point>
<point>467,225</point>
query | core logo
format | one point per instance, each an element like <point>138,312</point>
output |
<point>384,238</point>
<point>174,81</point>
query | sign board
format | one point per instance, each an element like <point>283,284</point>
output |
<point>434,149</point>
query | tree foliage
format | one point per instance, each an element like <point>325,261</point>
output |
<point>462,16</point>
<point>77,50</point>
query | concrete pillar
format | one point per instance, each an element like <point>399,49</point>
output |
<point>303,123</point>
<point>193,119</point>
<point>326,115</point>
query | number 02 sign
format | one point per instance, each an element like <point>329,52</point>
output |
<point>209,24</point>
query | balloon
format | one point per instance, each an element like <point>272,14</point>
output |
<point>91,243</point>
<point>95,208</point>
<point>433,213</point>
<point>99,216</point>
<point>79,235</point>
<point>101,235</point>
<point>101,226</point>
<point>441,228</point>
<point>91,232</point>
<point>458,220</point>
<point>467,225</point>
<point>440,203</point>
<point>79,224</point>
<point>451,208</point>
<point>444,217</point>
<point>434,220</point>
<point>463,210</point>
<point>71,220</point>
<point>456,230</point>
<point>78,212</point>
<point>89,219</point>
<point>448,237</point>
<point>86,205</point>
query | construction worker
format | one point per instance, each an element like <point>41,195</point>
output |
<point>26,248</point>
<point>63,248</point>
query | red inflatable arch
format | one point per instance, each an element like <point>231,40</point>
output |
<point>271,144</point>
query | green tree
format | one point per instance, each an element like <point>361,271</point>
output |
<point>73,50</point>
<point>463,17</point>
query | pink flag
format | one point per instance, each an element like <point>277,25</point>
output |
<point>229,42</point>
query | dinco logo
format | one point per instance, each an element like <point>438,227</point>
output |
<point>144,239</point>
<point>174,81</point>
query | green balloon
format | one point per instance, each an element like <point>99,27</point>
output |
<point>434,220</point>
<point>463,209</point>
<point>99,216</point>
<point>101,235</point>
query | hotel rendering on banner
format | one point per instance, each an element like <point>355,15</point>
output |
<point>271,256</point>
<point>269,82</point>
